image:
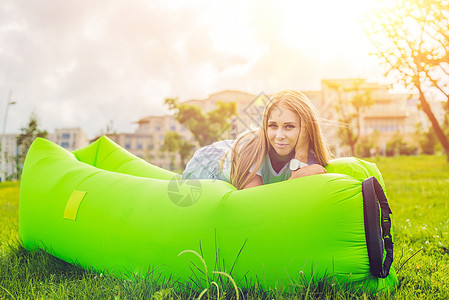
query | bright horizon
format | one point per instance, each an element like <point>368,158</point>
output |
<point>82,65</point>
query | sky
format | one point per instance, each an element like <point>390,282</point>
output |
<point>86,63</point>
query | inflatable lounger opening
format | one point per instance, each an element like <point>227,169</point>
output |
<point>377,227</point>
<point>106,155</point>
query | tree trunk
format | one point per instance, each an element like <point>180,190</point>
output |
<point>435,125</point>
<point>352,149</point>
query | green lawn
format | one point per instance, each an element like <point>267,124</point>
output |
<point>418,192</point>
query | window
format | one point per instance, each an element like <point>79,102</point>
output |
<point>65,145</point>
<point>66,136</point>
<point>127,143</point>
<point>139,145</point>
<point>150,143</point>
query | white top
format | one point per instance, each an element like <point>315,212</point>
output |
<point>266,171</point>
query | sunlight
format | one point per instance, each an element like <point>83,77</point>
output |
<point>317,26</point>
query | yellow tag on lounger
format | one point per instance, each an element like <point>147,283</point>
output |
<point>71,208</point>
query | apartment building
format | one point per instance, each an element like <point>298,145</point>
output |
<point>11,152</point>
<point>69,138</point>
<point>390,113</point>
<point>249,109</point>
<point>147,141</point>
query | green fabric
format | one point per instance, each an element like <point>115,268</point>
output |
<point>135,216</point>
<point>71,209</point>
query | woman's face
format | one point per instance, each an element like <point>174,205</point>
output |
<point>283,130</point>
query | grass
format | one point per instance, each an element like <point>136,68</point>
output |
<point>418,192</point>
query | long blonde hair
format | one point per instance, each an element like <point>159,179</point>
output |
<point>251,147</point>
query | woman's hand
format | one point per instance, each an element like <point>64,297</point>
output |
<point>302,145</point>
<point>307,171</point>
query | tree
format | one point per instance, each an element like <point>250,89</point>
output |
<point>367,144</point>
<point>174,143</point>
<point>205,127</point>
<point>351,103</point>
<point>446,120</point>
<point>412,42</point>
<point>108,130</point>
<point>426,139</point>
<point>397,146</point>
<point>26,137</point>
<point>185,150</point>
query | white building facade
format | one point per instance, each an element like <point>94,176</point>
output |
<point>70,138</point>
<point>11,153</point>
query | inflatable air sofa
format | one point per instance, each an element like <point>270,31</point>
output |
<point>104,209</point>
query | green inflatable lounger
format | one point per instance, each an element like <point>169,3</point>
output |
<point>105,209</point>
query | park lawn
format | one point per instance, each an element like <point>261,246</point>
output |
<point>418,192</point>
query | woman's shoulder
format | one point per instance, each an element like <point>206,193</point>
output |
<point>223,144</point>
<point>215,146</point>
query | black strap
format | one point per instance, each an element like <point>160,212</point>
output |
<point>376,219</point>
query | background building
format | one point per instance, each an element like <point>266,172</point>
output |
<point>11,154</point>
<point>70,138</point>
<point>391,113</point>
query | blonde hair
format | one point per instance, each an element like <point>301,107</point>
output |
<point>251,147</point>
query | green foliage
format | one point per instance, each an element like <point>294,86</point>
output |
<point>174,143</point>
<point>351,103</point>
<point>367,143</point>
<point>412,43</point>
<point>427,140</point>
<point>417,192</point>
<point>205,127</point>
<point>26,137</point>
<point>397,146</point>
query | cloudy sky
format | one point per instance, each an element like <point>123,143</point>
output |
<point>84,63</point>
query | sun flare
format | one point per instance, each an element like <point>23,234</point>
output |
<point>320,26</point>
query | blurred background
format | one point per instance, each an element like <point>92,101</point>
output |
<point>75,70</point>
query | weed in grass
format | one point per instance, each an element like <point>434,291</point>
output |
<point>207,277</point>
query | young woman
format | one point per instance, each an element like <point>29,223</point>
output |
<point>288,145</point>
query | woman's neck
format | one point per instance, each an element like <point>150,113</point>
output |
<point>278,161</point>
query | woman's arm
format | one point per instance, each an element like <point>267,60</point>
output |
<point>257,180</point>
<point>307,171</point>
<point>302,153</point>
